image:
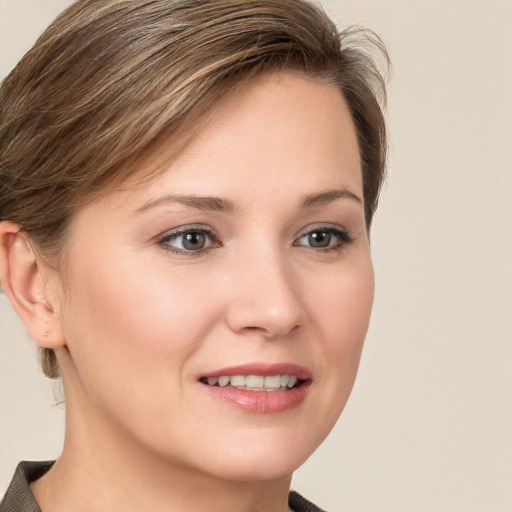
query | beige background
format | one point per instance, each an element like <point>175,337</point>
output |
<point>429,425</point>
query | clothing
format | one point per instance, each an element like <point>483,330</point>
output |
<point>19,497</point>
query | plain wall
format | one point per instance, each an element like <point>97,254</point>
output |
<point>429,424</point>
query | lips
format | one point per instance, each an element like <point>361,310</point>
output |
<point>258,387</point>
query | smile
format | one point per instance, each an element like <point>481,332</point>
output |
<point>259,387</point>
<point>254,382</point>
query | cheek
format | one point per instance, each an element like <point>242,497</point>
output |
<point>339,316</point>
<point>343,316</point>
<point>132,339</point>
<point>127,323</point>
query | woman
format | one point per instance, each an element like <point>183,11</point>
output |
<point>186,193</point>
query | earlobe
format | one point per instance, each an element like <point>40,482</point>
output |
<point>25,282</point>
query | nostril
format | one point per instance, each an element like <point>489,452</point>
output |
<point>259,331</point>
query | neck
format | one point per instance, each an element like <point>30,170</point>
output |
<point>69,487</point>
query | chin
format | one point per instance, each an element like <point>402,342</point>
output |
<point>260,456</point>
<point>259,468</point>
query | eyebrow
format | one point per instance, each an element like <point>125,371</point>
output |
<point>328,197</point>
<point>218,204</point>
<point>211,204</point>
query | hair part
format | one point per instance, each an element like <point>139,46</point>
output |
<point>109,79</point>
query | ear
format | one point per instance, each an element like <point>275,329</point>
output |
<point>26,283</point>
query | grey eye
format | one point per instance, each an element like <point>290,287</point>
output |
<point>192,241</point>
<point>319,239</point>
<point>188,241</point>
<point>324,238</point>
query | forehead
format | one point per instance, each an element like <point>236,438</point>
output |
<point>277,124</point>
<point>281,135</point>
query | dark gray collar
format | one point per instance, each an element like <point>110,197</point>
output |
<point>19,497</point>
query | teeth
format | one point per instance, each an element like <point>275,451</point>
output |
<point>273,382</point>
<point>254,382</point>
<point>238,380</point>
<point>223,381</point>
<point>292,381</point>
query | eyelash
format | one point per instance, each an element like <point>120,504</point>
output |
<point>343,238</point>
<point>189,230</point>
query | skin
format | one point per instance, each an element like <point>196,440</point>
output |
<point>135,323</point>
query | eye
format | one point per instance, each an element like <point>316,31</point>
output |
<point>189,240</point>
<point>324,238</point>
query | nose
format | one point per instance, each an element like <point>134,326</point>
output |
<point>266,298</point>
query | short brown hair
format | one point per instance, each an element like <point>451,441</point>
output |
<point>109,78</point>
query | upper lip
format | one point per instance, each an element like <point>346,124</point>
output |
<point>263,369</point>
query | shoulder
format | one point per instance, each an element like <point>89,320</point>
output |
<point>299,504</point>
<point>19,497</point>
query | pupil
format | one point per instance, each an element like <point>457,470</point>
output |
<point>319,239</point>
<point>194,241</point>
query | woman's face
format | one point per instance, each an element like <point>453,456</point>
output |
<point>246,258</point>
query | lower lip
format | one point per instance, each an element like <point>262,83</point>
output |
<point>260,402</point>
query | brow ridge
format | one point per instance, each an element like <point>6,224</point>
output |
<point>213,204</point>
<point>218,204</point>
<point>329,196</point>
